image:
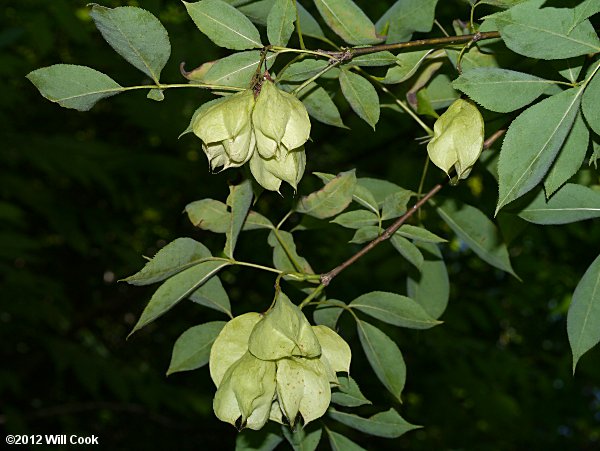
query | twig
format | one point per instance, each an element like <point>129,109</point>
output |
<point>387,233</point>
<point>347,54</point>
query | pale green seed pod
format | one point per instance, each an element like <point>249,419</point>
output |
<point>334,349</point>
<point>246,393</point>
<point>458,138</point>
<point>283,332</point>
<point>289,167</point>
<point>226,130</point>
<point>231,344</point>
<point>279,118</point>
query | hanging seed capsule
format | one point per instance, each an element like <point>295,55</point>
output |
<point>458,138</point>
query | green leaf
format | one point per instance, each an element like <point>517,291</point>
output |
<point>356,219</point>
<point>192,348</point>
<point>532,142</point>
<point>590,102</point>
<point>406,66</point>
<point>348,394</point>
<point>571,203</point>
<point>386,424</point>
<point>546,33</point>
<point>585,10</point>
<point>570,68</point>
<point>583,318</point>
<point>361,194</point>
<point>479,233</point>
<point>280,22</point>
<point>419,234</point>
<point>570,158</point>
<point>365,234</point>
<point>157,95</point>
<point>285,255</point>
<point>394,309</point>
<point>340,443</point>
<point>308,24</point>
<point>379,189</point>
<point>438,94</point>
<point>305,69</point>
<point>430,287</point>
<point>213,295</point>
<point>361,96</point>
<point>236,70</point>
<point>348,21</point>
<point>395,204</point>
<point>300,440</point>
<point>377,59</point>
<point>405,17</point>
<point>136,35</point>
<point>330,200</point>
<point>178,287</point>
<point>224,25</point>
<point>77,87</point>
<point>176,256</point>
<point>256,221</point>
<point>319,105</point>
<point>209,214</point>
<point>408,250</point>
<point>240,199</point>
<point>384,356</point>
<point>500,90</point>
<point>328,313</point>
<point>265,439</point>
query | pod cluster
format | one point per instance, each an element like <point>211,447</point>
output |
<point>275,366</point>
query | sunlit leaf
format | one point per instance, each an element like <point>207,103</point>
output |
<point>224,25</point>
<point>280,22</point>
<point>571,203</point>
<point>532,142</point>
<point>176,256</point>
<point>178,287</point>
<point>348,21</point>
<point>405,17</point>
<point>500,90</point>
<point>570,157</point>
<point>136,35</point>
<point>361,96</point>
<point>330,200</point>
<point>77,87</point>
<point>546,33</point>
<point>212,295</point>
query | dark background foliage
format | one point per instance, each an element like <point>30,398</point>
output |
<point>84,195</point>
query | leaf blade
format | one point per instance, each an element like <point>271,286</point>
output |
<point>532,142</point>
<point>224,25</point>
<point>384,356</point>
<point>192,348</point>
<point>84,88</point>
<point>136,35</point>
<point>583,317</point>
<point>361,95</point>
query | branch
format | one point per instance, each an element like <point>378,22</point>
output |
<point>348,54</point>
<point>387,233</point>
<point>326,278</point>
